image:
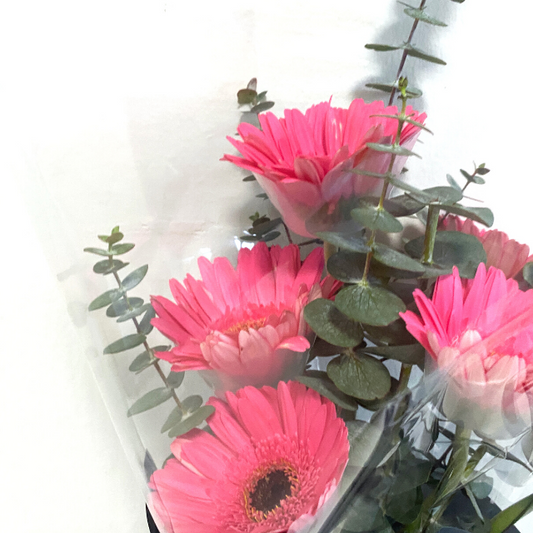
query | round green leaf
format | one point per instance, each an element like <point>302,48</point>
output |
<point>191,421</point>
<point>246,96</point>
<point>369,304</point>
<point>119,249</point>
<point>98,251</point>
<point>527,272</point>
<point>114,238</point>
<point>126,343</point>
<point>483,215</point>
<point>142,361</point>
<point>145,326</point>
<point>122,306</point>
<point>345,241</point>
<point>376,219</point>
<point>415,52</point>
<point>262,107</point>
<point>411,354</point>
<point>174,418</point>
<point>421,15</point>
<point>134,313</point>
<point>391,149</point>
<point>390,257</point>
<point>134,278</point>
<point>439,195</point>
<point>104,299</point>
<point>346,266</point>
<point>360,376</point>
<point>192,403</point>
<point>324,386</point>
<point>331,325</point>
<point>150,400</point>
<point>107,267</point>
<point>452,248</point>
<point>175,379</point>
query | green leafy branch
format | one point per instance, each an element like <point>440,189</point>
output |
<point>419,14</point>
<point>187,414</point>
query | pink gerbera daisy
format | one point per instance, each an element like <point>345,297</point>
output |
<point>245,324</point>
<point>274,458</point>
<point>305,161</point>
<point>480,333</point>
<point>502,252</point>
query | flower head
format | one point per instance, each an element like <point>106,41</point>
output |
<point>480,333</point>
<point>274,458</point>
<point>304,161</point>
<point>245,324</point>
<point>506,254</point>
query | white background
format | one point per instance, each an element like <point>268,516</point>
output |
<point>116,113</point>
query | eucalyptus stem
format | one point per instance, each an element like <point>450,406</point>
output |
<point>404,55</point>
<point>145,344</point>
<point>431,233</point>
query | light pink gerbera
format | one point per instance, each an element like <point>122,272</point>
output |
<point>245,324</point>
<point>480,333</point>
<point>274,458</point>
<point>304,162</point>
<point>506,254</point>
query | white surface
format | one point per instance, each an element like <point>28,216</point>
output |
<point>116,113</point>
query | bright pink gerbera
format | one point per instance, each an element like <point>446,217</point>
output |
<point>480,333</point>
<point>274,459</point>
<point>304,162</point>
<point>502,252</point>
<point>246,324</point>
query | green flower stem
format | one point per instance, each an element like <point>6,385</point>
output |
<point>431,233</point>
<point>145,344</point>
<point>454,476</point>
<point>405,374</point>
<point>404,55</point>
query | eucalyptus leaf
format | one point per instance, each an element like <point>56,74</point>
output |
<point>452,182</point>
<point>511,515</point>
<point>192,403</point>
<point>270,236</point>
<point>403,206</point>
<point>321,348</point>
<point>421,15</point>
<point>369,304</point>
<point>360,376</point>
<point>114,238</point>
<point>98,251</point>
<point>452,248</point>
<point>251,177</point>
<point>105,299</point>
<point>416,52</point>
<point>331,325</point>
<point>416,193</point>
<point>122,306</point>
<point>134,312</point>
<point>142,361</point>
<point>394,333</point>
<point>411,354</point>
<point>174,418</point>
<point>246,96</point>
<point>325,387</point>
<point>108,267</point>
<point>191,421</point>
<point>391,257</point>
<point>261,96</point>
<point>391,149</point>
<point>346,266</point>
<point>145,326</point>
<point>411,92</point>
<point>483,215</point>
<point>265,227</point>
<point>134,278</point>
<point>382,47</point>
<point>527,272</point>
<point>150,400</point>
<point>376,219</point>
<point>175,379</point>
<point>119,249</point>
<point>439,195</point>
<point>345,241</point>
<point>125,343</point>
<point>262,107</point>
<point>262,195</point>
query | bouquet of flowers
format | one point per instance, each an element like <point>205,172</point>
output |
<point>366,365</point>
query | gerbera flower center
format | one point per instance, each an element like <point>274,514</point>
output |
<point>268,488</point>
<point>245,325</point>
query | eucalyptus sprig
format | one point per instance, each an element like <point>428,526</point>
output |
<point>188,413</point>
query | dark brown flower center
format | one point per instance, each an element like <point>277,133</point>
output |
<point>270,491</point>
<point>270,486</point>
